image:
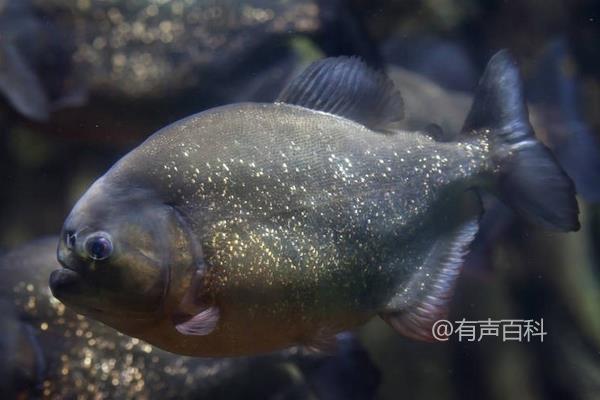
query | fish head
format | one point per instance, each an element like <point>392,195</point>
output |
<point>118,249</point>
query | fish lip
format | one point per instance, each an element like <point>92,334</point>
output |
<point>63,281</point>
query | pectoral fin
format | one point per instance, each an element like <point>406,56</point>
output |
<point>425,298</point>
<point>200,324</point>
<point>194,315</point>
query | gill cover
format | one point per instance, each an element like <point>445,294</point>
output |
<point>127,256</point>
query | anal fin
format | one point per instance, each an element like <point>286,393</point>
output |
<point>426,297</point>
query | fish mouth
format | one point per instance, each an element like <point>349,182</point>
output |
<point>67,280</point>
<point>64,281</point>
<point>67,285</point>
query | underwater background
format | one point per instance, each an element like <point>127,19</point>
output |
<point>82,82</point>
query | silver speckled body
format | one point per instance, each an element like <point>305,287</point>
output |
<point>308,222</point>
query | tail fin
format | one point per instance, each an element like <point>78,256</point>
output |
<point>558,90</point>
<point>531,180</point>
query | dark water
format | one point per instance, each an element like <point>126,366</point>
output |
<point>83,81</point>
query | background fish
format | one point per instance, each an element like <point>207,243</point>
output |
<point>62,54</point>
<point>252,227</point>
<point>48,351</point>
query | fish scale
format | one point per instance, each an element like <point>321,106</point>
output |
<point>251,222</point>
<point>299,165</point>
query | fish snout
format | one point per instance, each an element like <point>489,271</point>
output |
<point>66,280</point>
<point>63,282</point>
<point>67,254</point>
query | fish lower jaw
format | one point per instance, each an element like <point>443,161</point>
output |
<point>63,280</point>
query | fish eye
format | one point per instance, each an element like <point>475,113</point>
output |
<point>98,246</point>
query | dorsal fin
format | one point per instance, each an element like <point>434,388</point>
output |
<point>347,87</point>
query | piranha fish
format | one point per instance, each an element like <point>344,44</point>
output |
<point>253,227</point>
